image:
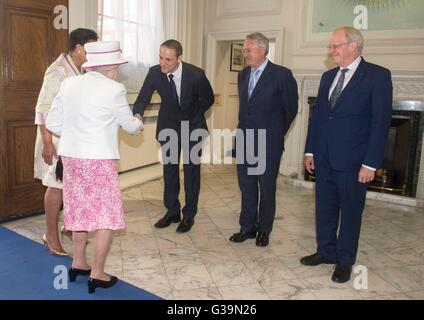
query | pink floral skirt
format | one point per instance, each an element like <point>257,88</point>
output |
<point>91,195</point>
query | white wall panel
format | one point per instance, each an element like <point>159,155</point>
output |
<point>247,8</point>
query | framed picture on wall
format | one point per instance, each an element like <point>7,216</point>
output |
<point>237,62</point>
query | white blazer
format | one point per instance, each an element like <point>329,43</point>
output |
<point>86,114</point>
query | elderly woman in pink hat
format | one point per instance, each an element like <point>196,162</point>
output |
<point>86,114</point>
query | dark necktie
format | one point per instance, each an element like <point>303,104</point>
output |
<point>338,88</point>
<point>174,88</point>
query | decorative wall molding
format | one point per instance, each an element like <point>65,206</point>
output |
<point>247,8</point>
<point>411,89</point>
<point>384,42</point>
<point>311,87</point>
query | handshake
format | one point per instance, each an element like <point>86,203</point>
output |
<point>141,119</point>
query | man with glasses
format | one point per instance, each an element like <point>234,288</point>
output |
<point>344,147</point>
<point>268,102</point>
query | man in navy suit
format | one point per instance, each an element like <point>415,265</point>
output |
<point>345,145</point>
<point>268,103</point>
<point>186,95</point>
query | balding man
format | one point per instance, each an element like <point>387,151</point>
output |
<point>345,144</point>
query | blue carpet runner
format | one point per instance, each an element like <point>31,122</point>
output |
<point>27,272</point>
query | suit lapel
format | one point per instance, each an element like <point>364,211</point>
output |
<point>354,81</point>
<point>245,85</point>
<point>327,82</point>
<point>262,79</point>
<point>166,86</point>
<point>330,81</point>
<point>184,83</point>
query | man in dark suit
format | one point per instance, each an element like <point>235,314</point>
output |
<point>268,103</point>
<point>345,144</point>
<point>186,95</point>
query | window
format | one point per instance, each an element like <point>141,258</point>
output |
<point>138,25</point>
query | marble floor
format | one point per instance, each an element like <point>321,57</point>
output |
<point>203,264</point>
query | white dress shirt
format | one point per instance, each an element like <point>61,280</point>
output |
<point>261,69</point>
<point>348,76</point>
<point>253,80</point>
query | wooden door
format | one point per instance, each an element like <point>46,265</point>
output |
<point>28,44</point>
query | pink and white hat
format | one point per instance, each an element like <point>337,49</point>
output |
<point>103,54</point>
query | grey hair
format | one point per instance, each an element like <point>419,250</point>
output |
<point>260,39</point>
<point>354,35</point>
<point>104,70</point>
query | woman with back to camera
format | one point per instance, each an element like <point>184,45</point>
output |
<point>45,157</point>
<point>86,114</point>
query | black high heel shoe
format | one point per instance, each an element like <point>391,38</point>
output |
<point>74,272</point>
<point>96,283</point>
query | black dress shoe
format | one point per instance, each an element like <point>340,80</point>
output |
<point>185,225</point>
<point>242,236</point>
<point>314,260</point>
<point>166,221</point>
<point>262,240</point>
<point>96,283</point>
<point>342,273</point>
<point>74,272</point>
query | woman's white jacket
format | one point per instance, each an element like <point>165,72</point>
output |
<point>86,114</point>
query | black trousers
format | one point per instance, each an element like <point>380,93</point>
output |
<point>171,176</point>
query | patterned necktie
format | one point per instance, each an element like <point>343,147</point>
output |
<point>338,88</point>
<point>174,88</point>
<point>253,81</point>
